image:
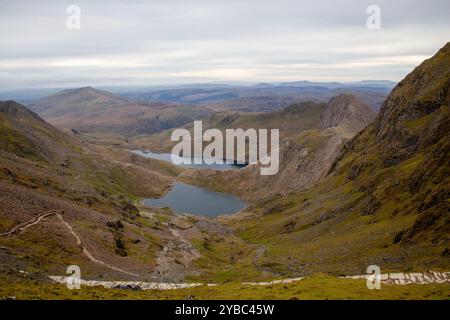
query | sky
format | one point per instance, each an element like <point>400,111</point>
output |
<point>126,43</point>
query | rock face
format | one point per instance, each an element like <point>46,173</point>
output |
<point>312,136</point>
<point>25,134</point>
<point>15,110</point>
<point>386,200</point>
<point>347,112</point>
<point>411,134</point>
<point>415,115</point>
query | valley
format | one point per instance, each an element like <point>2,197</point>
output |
<point>86,179</point>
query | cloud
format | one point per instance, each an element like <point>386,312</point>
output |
<point>157,42</point>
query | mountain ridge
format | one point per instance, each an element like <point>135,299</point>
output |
<point>311,138</point>
<point>385,201</point>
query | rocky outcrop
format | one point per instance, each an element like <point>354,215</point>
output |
<point>414,116</point>
<point>347,112</point>
<point>14,110</point>
<point>386,199</point>
<point>310,144</point>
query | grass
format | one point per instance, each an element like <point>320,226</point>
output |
<point>318,286</point>
<point>224,260</point>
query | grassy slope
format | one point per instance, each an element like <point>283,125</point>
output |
<point>386,202</point>
<point>42,169</point>
<point>291,120</point>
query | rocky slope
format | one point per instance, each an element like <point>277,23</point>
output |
<point>26,134</point>
<point>386,201</point>
<point>64,201</point>
<point>347,113</point>
<point>311,138</point>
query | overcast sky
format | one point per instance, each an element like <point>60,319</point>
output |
<point>163,42</point>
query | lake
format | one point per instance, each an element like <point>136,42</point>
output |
<point>168,158</point>
<point>184,198</point>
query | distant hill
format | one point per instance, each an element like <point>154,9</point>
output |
<point>77,102</point>
<point>265,97</point>
<point>96,111</point>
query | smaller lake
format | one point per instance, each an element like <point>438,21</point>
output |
<point>184,198</point>
<point>168,158</point>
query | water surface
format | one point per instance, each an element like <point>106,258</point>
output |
<point>168,158</point>
<point>184,198</point>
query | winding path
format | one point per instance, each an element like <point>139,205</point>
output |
<point>30,223</point>
<point>393,278</point>
<point>34,221</point>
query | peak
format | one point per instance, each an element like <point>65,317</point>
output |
<point>420,94</point>
<point>84,93</point>
<point>446,48</point>
<point>345,110</point>
<point>87,89</point>
<point>348,102</point>
<point>15,110</point>
<point>82,89</point>
<point>343,97</point>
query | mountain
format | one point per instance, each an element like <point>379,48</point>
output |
<point>65,200</point>
<point>348,113</point>
<point>386,200</point>
<point>354,189</point>
<point>311,137</point>
<point>264,97</point>
<point>26,134</point>
<point>90,110</point>
<point>76,101</point>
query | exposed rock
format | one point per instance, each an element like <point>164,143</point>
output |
<point>369,205</point>
<point>129,210</point>
<point>347,112</point>
<point>398,237</point>
<point>289,226</point>
<point>116,224</point>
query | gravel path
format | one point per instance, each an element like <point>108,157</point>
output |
<point>34,221</point>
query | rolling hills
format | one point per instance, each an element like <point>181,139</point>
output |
<point>89,110</point>
<point>264,97</point>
